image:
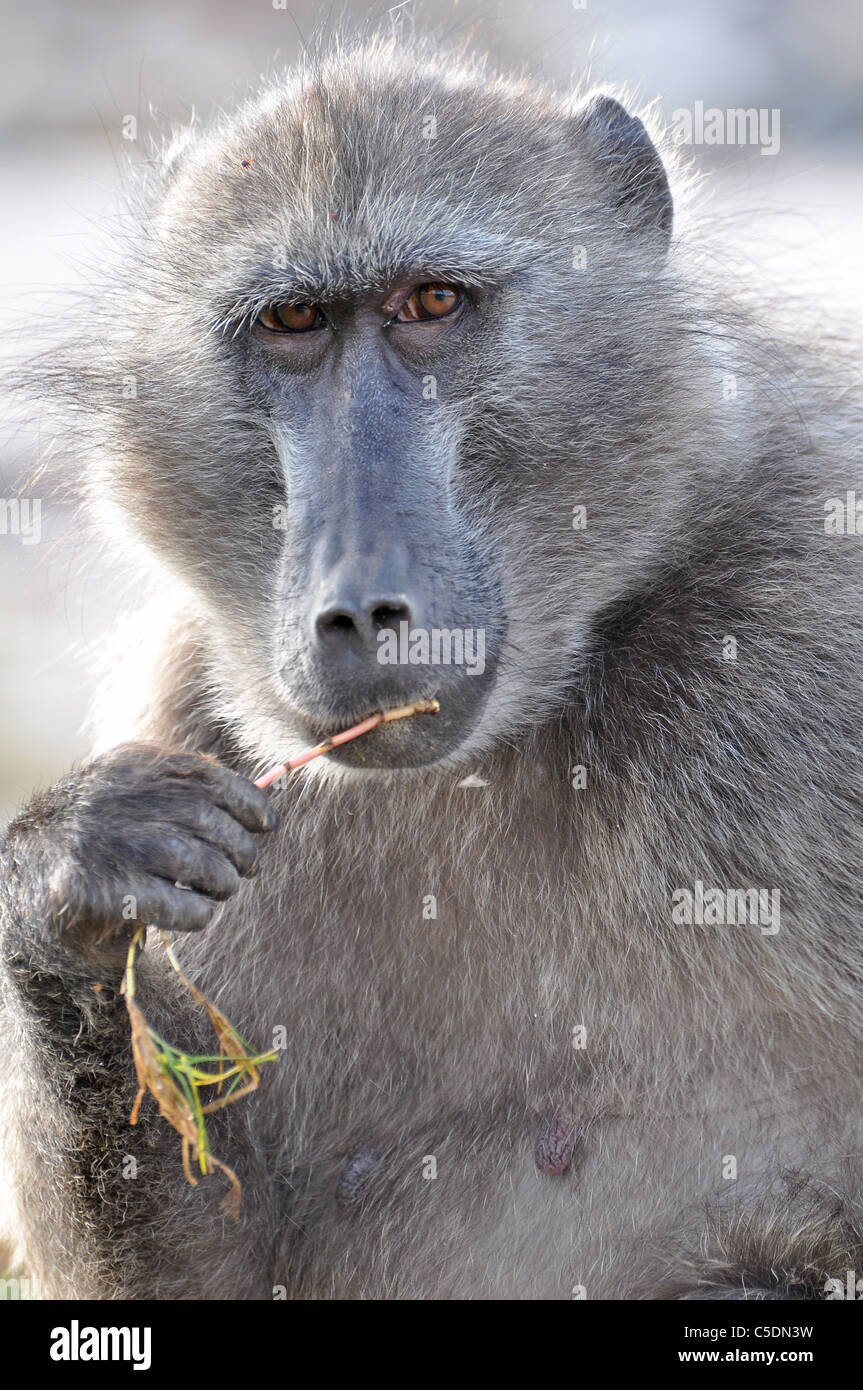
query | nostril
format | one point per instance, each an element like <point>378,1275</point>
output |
<point>335,621</point>
<point>388,614</point>
<point>348,626</point>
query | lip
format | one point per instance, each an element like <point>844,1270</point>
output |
<point>326,728</point>
<point>334,741</point>
<point>398,743</point>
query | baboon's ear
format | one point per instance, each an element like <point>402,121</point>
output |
<point>628,162</point>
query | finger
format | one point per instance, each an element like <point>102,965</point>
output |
<point>184,809</point>
<point>160,904</point>
<point>130,767</point>
<point>98,904</point>
<point>221,829</point>
<point>183,858</point>
<point>246,802</point>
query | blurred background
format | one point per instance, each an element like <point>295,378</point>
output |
<point>72,70</point>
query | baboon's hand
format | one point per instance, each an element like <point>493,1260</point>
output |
<point>104,850</point>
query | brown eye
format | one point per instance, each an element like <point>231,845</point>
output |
<point>291,318</point>
<point>433,301</point>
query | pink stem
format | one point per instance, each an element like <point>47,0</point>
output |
<point>421,707</point>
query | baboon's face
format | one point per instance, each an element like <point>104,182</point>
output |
<point>390,334</point>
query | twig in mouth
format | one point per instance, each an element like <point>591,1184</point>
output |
<point>364,727</point>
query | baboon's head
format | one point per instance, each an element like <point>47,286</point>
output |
<point>391,327</point>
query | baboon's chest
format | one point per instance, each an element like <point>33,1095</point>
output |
<point>515,1148</point>
<point>470,1107</point>
<point>507,1201</point>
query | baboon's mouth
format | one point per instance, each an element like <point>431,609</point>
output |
<point>332,730</point>
<point>364,726</point>
<point>427,705</point>
<point>391,737</point>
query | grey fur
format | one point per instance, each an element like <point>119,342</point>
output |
<point>453,1037</point>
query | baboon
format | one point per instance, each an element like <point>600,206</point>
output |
<point>569,974</point>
